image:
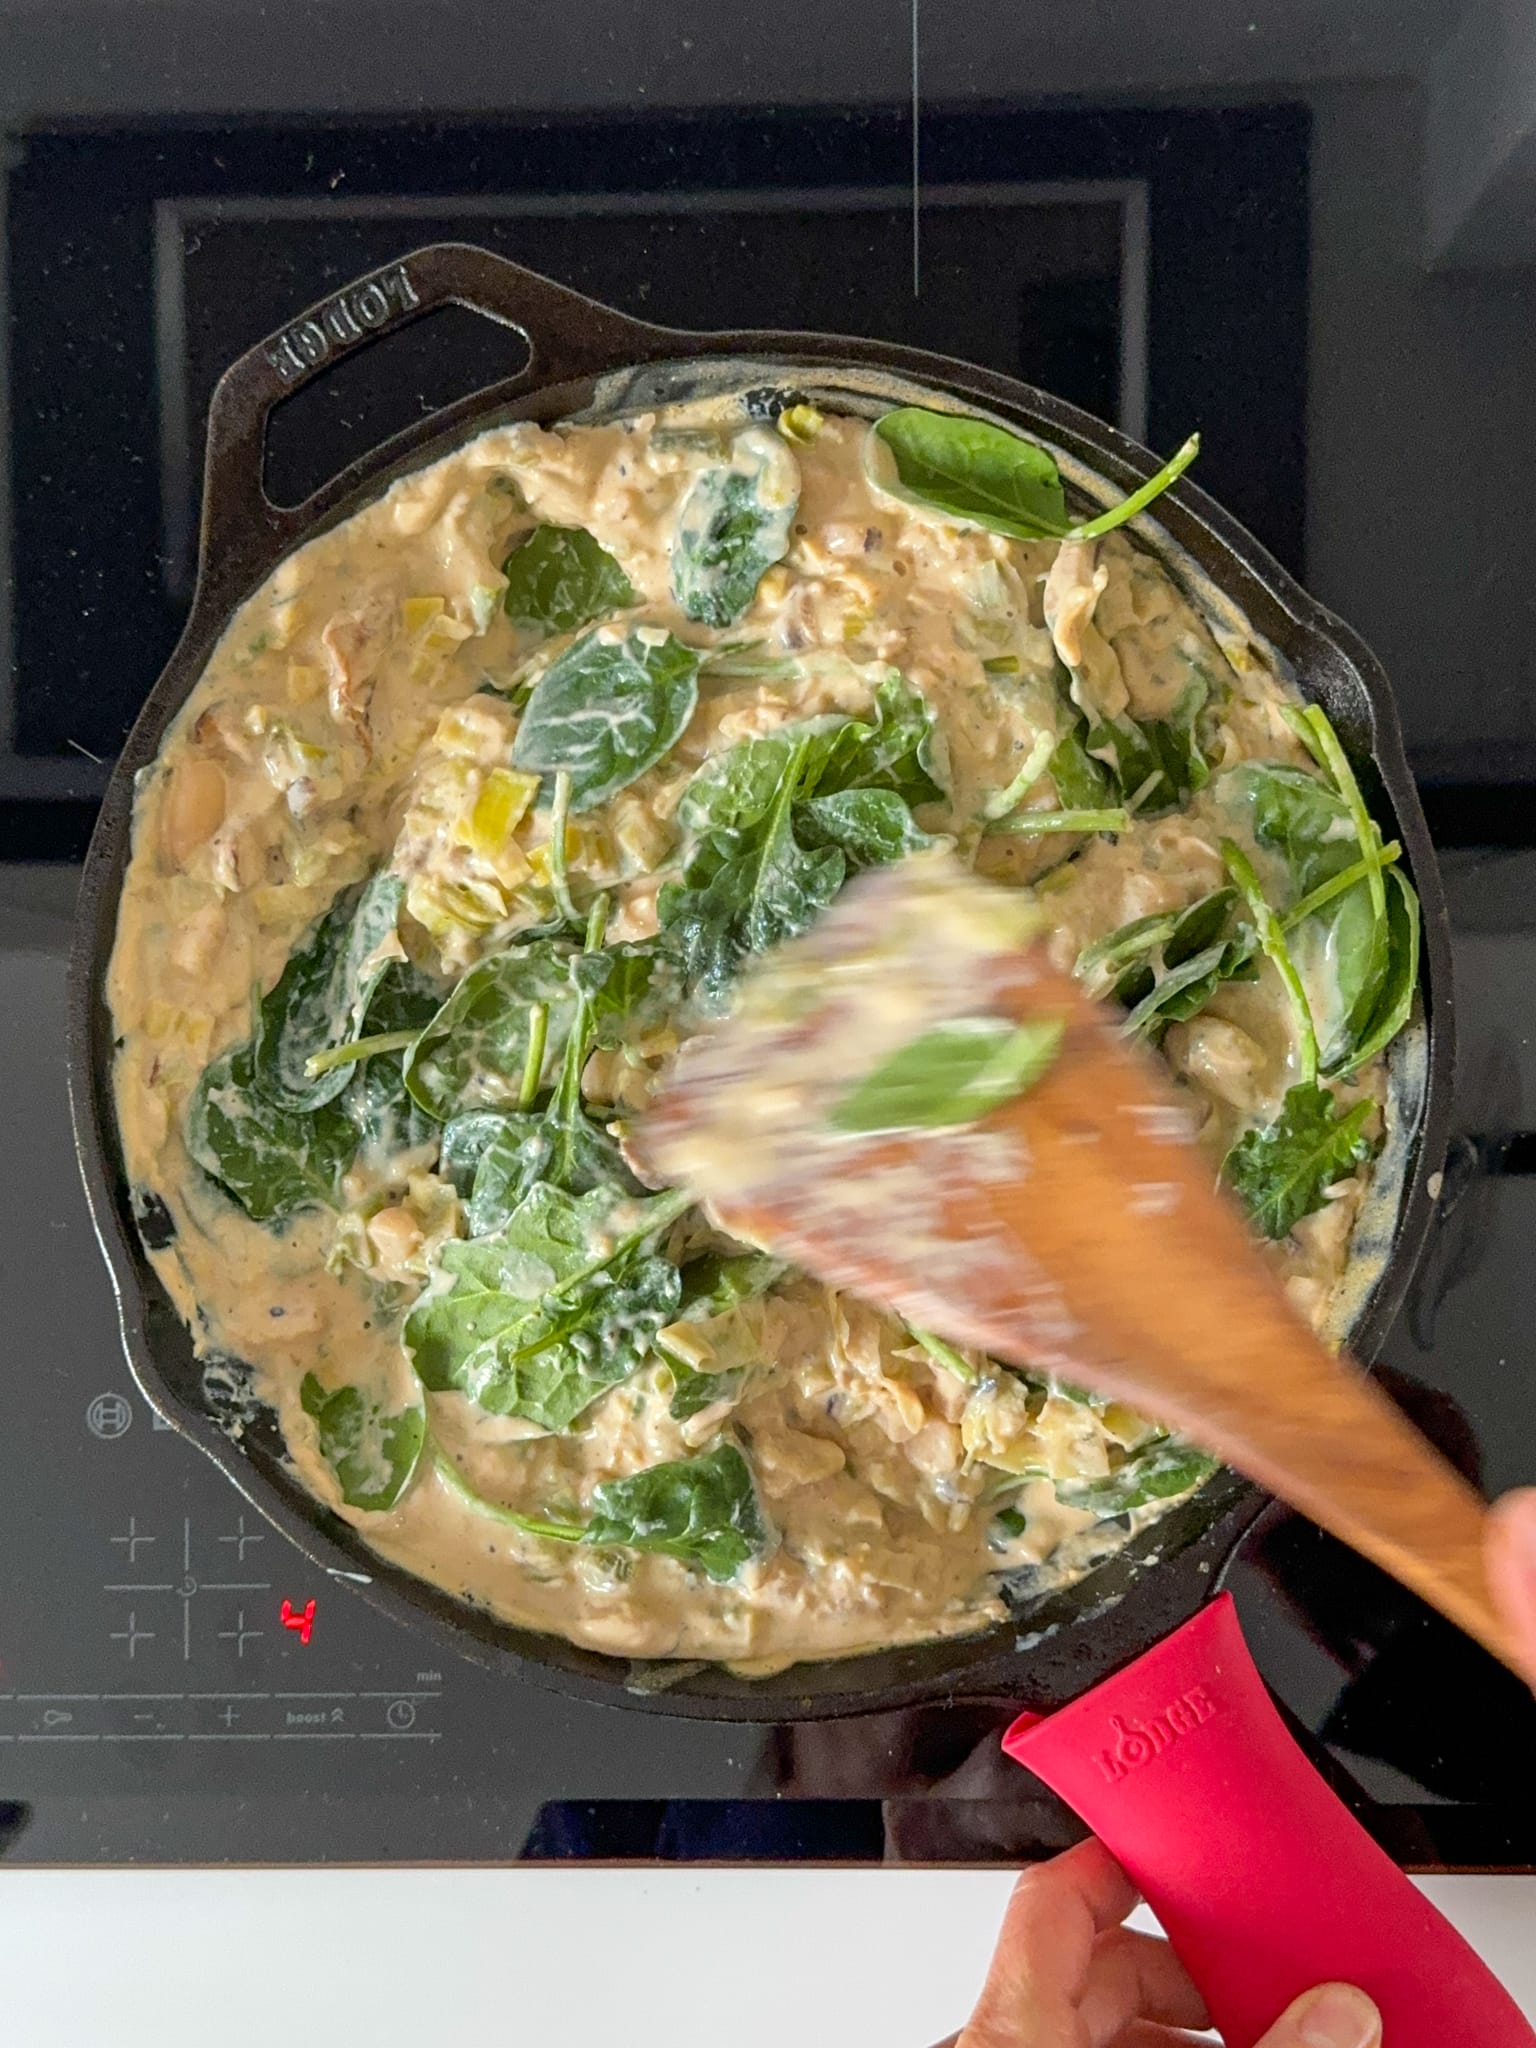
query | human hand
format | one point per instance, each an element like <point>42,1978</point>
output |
<point>1067,1974</point>
<point>1512,1570</point>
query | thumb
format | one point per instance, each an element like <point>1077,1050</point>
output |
<point>1332,2016</point>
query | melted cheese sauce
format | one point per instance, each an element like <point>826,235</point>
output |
<point>340,725</point>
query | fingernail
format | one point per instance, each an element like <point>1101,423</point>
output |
<point>1337,2016</point>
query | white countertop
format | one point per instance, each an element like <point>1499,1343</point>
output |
<point>673,1958</point>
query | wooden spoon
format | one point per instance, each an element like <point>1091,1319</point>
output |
<point>1074,1229</point>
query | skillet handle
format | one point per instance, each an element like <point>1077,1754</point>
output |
<point>1264,1882</point>
<point>567,335</point>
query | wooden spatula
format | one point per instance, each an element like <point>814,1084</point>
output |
<point>1075,1228</point>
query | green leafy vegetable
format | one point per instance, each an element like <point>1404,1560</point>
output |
<point>693,1392</point>
<point>1168,966</point>
<point>373,1454</point>
<point>1353,933</point>
<point>473,1051</point>
<point>782,819</point>
<point>988,477</point>
<point>734,525</point>
<point>1283,1172</point>
<point>1159,1471</point>
<point>1082,783</point>
<point>702,1511</point>
<point>559,578</point>
<point>272,1161</point>
<point>870,826</point>
<point>972,471</point>
<point>953,1073</point>
<point>718,1282</point>
<point>562,1302</point>
<point>744,890</point>
<point>322,995</point>
<point>608,709</point>
<point>1271,940</point>
<point>1033,824</point>
<point>1394,999</point>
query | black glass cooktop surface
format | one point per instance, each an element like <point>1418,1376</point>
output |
<point>178,1684</point>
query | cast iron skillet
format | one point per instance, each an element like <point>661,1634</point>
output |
<point>580,351</point>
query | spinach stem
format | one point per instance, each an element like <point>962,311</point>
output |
<point>945,1355</point>
<point>1272,940</point>
<point>559,813</point>
<point>1027,824</point>
<point>533,1062</point>
<point>358,1049</point>
<point>1346,878</point>
<point>1312,728</point>
<point>528,1525</point>
<point>597,922</point>
<point>665,1210</point>
<point>1139,500</point>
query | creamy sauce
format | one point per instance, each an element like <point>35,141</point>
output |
<point>341,725</point>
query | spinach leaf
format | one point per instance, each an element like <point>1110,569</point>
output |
<point>1182,991</point>
<point>702,1511</point>
<point>323,994</point>
<point>373,1454</point>
<point>572,1153</point>
<point>1125,961</point>
<point>781,820</point>
<point>734,525</point>
<point>1157,764</point>
<point>1282,1172</point>
<point>1167,967</point>
<point>1158,1471</point>
<point>1394,997</point>
<point>561,1303</point>
<point>388,1120</point>
<point>466,1140</point>
<point>473,1051</point>
<point>1270,937</point>
<point>1082,783</point>
<point>1345,946</point>
<point>953,1073</point>
<point>272,1161</point>
<point>891,752</point>
<point>988,477</point>
<point>608,709</point>
<point>559,578</point>
<point>743,891</point>
<point>871,826</point>
<point>972,471</point>
<point>693,1392</point>
<point>562,1145</point>
<point>718,1282</point>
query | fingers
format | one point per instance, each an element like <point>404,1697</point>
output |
<point>1066,1971</point>
<point>1512,1569</point>
<point>1137,1977</point>
<point>1332,2016</point>
<point>1046,1950</point>
<point>1091,1875</point>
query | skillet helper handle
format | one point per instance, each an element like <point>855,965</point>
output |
<point>1263,1881</point>
<point>565,334</point>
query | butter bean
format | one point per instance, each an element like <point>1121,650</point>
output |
<point>194,808</point>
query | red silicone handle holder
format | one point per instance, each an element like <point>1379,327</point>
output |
<point>1265,1884</point>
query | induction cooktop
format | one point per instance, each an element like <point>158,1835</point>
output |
<point>178,1684</point>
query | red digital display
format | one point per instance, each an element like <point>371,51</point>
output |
<point>301,1621</point>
